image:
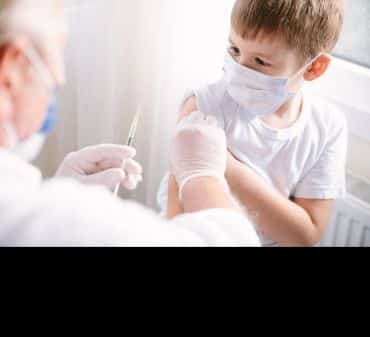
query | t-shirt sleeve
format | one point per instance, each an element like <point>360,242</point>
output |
<point>208,100</point>
<point>327,179</point>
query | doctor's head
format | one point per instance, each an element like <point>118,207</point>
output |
<point>32,39</point>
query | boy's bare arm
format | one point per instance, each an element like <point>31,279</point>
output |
<point>292,223</point>
<point>174,207</point>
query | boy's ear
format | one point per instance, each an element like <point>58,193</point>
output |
<point>318,68</point>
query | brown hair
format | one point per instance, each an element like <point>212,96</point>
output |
<point>310,26</point>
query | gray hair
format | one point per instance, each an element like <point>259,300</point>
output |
<point>37,20</point>
<point>33,18</point>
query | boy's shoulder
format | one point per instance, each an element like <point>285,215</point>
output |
<point>211,99</point>
<point>325,114</point>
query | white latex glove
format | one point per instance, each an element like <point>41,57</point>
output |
<point>199,149</point>
<point>102,165</point>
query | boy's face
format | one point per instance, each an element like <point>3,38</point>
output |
<point>266,53</point>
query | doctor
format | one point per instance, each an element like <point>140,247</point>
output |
<point>77,206</point>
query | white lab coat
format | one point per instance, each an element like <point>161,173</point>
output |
<point>61,212</point>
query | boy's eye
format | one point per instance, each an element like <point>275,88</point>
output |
<point>260,62</point>
<point>234,51</point>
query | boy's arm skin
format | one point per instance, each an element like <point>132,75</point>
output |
<point>300,222</point>
<point>174,207</point>
<point>217,196</point>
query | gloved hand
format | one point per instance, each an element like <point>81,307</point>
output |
<point>199,149</point>
<point>102,165</point>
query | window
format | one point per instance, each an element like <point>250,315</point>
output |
<point>354,45</point>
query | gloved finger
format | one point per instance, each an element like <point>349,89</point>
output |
<point>109,164</point>
<point>132,167</point>
<point>193,118</point>
<point>109,178</point>
<point>199,118</point>
<point>206,120</point>
<point>105,152</point>
<point>211,121</point>
<point>137,177</point>
<point>130,183</point>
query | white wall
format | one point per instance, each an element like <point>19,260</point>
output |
<point>359,158</point>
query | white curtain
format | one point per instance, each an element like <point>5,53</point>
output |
<point>123,53</point>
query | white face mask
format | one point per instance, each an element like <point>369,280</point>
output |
<point>261,95</point>
<point>27,150</point>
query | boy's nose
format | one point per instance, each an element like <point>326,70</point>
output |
<point>242,60</point>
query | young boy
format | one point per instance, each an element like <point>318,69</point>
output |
<point>287,149</point>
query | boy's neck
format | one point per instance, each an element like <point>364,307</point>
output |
<point>287,115</point>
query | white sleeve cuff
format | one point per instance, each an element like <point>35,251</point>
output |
<point>321,193</point>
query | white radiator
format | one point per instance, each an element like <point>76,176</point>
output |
<point>350,226</point>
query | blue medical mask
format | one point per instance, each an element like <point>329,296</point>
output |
<point>51,116</point>
<point>259,94</point>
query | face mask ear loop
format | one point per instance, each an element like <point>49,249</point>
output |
<point>11,134</point>
<point>304,68</point>
<point>40,68</point>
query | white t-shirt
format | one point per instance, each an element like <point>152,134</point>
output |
<point>307,160</point>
